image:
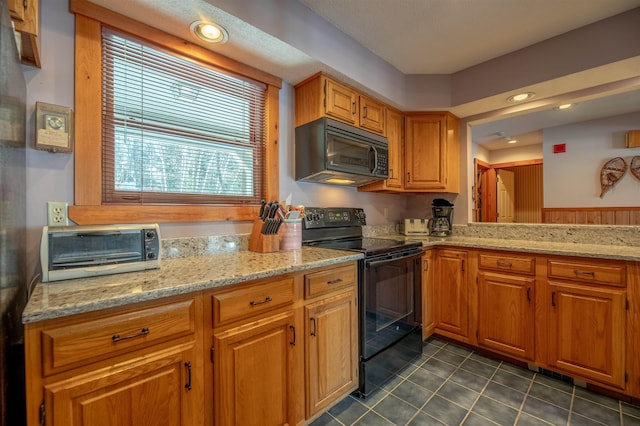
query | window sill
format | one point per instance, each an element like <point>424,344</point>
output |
<point>100,215</point>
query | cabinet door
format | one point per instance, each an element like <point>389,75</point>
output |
<point>16,9</point>
<point>372,115</point>
<point>394,139</point>
<point>425,165</point>
<point>506,313</point>
<point>253,374</point>
<point>428,323</point>
<point>341,102</point>
<point>451,292</point>
<point>587,331</point>
<point>150,391</point>
<point>331,332</point>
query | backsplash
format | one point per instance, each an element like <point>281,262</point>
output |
<point>173,248</point>
<point>579,234</point>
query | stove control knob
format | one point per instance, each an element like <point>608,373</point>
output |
<point>309,217</point>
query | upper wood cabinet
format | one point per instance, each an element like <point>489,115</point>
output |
<point>431,153</point>
<point>322,96</point>
<point>24,14</point>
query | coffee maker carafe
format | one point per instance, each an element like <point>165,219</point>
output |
<point>440,223</point>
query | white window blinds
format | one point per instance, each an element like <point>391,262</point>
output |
<point>178,131</point>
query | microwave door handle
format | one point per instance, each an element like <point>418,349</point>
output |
<point>373,159</point>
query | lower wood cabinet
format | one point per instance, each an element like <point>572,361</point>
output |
<point>137,365</point>
<point>506,313</point>
<point>587,331</point>
<point>428,303</point>
<point>331,352</point>
<point>151,390</point>
<point>451,293</point>
<point>253,377</point>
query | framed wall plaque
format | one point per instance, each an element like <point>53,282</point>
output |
<point>54,128</point>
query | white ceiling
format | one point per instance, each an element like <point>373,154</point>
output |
<point>445,36</point>
<point>413,36</point>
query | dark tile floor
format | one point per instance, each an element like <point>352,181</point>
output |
<point>451,385</point>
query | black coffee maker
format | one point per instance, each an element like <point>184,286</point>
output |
<point>440,223</point>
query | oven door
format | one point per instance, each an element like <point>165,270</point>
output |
<point>390,298</point>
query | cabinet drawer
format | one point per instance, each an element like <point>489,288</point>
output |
<point>508,263</point>
<point>591,272</point>
<point>252,300</point>
<point>327,281</point>
<point>100,338</point>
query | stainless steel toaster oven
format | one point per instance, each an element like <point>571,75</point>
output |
<point>83,251</point>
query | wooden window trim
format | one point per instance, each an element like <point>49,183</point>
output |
<point>88,208</point>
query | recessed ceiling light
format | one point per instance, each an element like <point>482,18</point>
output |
<point>521,97</point>
<point>209,32</point>
<point>512,141</point>
<point>565,106</point>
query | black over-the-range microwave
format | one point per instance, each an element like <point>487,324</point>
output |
<point>84,251</point>
<point>328,151</point>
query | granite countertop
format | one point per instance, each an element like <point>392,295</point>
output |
<point>175,276</point>
<point>601,251</point>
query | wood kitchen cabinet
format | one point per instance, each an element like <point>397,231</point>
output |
<point>395,140</point>
<point>331,337</point>
<point>24,14</point>
<point>431,153</point>
<point>139,365</point>
<point>506,304</point>
<point>428,268</point>
<point>322,96</point>
<point>451,294</point>
<point>586,306</point>
<point>256,353</point>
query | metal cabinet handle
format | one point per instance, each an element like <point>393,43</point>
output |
<point>553,298</point>
<point>353,108</point>
<point>336,281</point>
<point>187,386</point>
<point>408,176</point>
<point>528,294</point>
<point>118,338</point>
<point>293,329</point>
<point>504,264</point>
<point>266,300</point>
<point>313,333</point>
<point>365,112</point>
<point>579,272</point>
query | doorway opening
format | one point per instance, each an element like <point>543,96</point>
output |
<point>508,192</point>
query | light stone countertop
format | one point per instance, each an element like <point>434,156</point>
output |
<point>175,276</point>
<point>600,251</point>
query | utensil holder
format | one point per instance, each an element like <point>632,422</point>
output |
<point>291,238</point>
<point>260,242</point>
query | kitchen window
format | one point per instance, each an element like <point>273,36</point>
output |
<point>184,133</point>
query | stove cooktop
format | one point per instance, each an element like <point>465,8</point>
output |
<point>369,246</point>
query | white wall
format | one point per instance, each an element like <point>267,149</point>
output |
<point>519,153</point>
<point>572,179</point>
<point>50,176</point>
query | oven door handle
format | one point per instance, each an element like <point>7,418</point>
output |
<point>389,259</point>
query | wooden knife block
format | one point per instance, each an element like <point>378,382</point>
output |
<point>263,243</point>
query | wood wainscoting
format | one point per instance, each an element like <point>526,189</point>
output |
<point>592,215</point>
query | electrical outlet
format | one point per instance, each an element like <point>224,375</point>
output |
<point>57,213</point>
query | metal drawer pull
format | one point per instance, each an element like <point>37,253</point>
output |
<point>313,333</point>
<point>266,300</point>
<point>579,272</point>
<point>505,264</point>
<point>293,329</point>
<point>336,281</point>
<point>118,338</point>
<point>187,386</point>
